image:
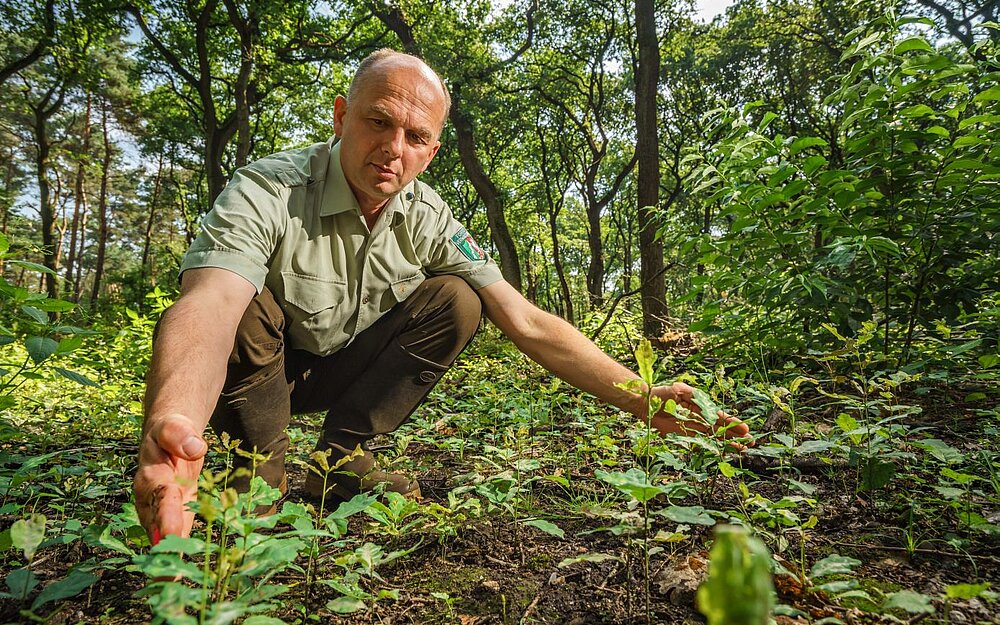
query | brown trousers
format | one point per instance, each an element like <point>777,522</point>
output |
<point>369,387</point>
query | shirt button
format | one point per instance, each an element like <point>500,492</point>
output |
<point>364,300</point>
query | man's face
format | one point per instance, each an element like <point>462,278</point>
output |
<point>389,131</point>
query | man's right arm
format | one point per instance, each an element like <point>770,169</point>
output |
<point>186,375</point>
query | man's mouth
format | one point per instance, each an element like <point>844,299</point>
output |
<point>383,172</point>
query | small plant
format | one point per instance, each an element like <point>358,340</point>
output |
<point>739,590</point>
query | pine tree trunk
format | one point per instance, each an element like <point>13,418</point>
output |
<point>147,240</point>
<point>45,205</point>
<point>102,208</point>
<point>79,209</point>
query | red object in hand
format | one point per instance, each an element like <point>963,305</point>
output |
<point>155,536</point>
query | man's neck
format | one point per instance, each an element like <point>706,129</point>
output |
<point>371,214</point>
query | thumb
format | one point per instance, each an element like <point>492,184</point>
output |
<point>178,438</point>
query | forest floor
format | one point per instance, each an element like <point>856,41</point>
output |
<point>532,511</point>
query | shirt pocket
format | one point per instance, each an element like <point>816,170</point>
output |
<point>312,294</point>
<point>402,288</point>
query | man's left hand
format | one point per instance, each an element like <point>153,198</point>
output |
<point>725,426</point>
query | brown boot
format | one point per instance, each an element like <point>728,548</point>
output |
<point>357,475</point>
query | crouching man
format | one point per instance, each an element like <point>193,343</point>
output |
<point>329,279</point>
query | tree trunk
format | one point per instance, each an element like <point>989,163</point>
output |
<point>45,207</point>
<point>102,208</point>
<point>653,291</point>
<point>79,207</point>
<point>147,240</point>
<point>509,264</point>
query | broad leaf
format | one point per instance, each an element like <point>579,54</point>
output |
<point>69,586</point>
<point>547,527</point>
<point>40,348</point>
<point>28,533</point>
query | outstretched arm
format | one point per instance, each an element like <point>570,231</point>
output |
<point>559,347</point>
<point>193,342</point>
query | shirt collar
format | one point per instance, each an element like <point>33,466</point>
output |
<point>338,197</point>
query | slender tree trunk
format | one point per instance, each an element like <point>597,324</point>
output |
<point>79,206</point>
<point>509,264</point>
<point>557,262</point>
<point>45,205</point>
<point>102,208</point>
<point>653,291</point>
<point>595,242</point>
<point>147,240</point>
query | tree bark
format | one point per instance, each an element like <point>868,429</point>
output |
<point>509,264</point>
<point>147,240</point>
<point>653,291</point>
<point>79,207</point>
<point>42,111</point>
<point>102,208</point>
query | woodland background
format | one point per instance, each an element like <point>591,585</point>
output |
<point>797,203</point>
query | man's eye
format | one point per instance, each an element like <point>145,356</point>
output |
<point>377,122</point>
<point>415,138</point>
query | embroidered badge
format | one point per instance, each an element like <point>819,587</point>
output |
<point>467,245</point>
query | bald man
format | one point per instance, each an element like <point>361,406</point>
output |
<point>328,279</point>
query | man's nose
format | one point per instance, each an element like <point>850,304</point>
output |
<point>393,145</point>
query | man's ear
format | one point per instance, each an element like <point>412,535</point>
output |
<point>339,111</point>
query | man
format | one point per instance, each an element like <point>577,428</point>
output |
<point>328,278</point>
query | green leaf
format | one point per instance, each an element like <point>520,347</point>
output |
<point>69,344</point>
<point>69,586</point>
<point>547,527</point>
<point>709,409</point>
<point>633,482</point>
<point>941,450</point>
<point>966,591</point>
<point>263,620</point>
<point>993,93</point>
<point>917,110</point>
<point>79,378</point>
<point>54,305</point>
<point>4,243</point>
<point>912,43</point>
<point>27,534</point>
<point>846,422</point>
<point>644,358</point>
<point>21,582</point>
<point>346,605</point>
<point>587,557</point>
<point>40,347</point>
<point>688,515</point>
<point>803,143</point>
<point>876,474</point>
<point>738,590</point>
<point>833,565</point>
<point>35,314</point>
<point>32,266</point>
<point>909,601</point>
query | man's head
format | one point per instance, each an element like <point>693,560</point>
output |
<point>389,125</point>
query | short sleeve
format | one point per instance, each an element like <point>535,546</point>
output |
<point>243,228</point>
<point>447,247</point>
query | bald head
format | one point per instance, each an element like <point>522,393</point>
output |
<point>376,65</point>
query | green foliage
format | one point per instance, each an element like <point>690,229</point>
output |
<point>32,336</point>
<point>738,590</point>
<point>888,219</point>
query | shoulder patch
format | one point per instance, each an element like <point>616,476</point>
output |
<point>467,245</point>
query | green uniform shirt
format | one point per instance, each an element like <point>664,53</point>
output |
<point>290,222</point>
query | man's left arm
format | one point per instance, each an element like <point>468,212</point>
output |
<point>560,348</point>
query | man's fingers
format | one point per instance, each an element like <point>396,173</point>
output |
<point>169,511</point>
<point>178,438</point>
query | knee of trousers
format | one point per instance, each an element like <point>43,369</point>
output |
<point>451,307</point>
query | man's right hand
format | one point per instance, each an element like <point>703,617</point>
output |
<point>171,455</point>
